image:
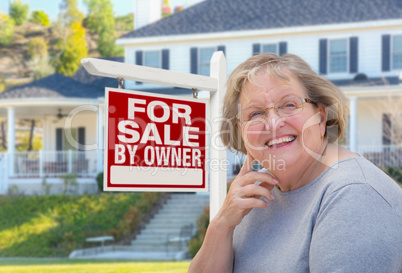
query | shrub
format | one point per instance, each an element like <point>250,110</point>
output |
<point>395,173</point>
<point>39,17</point>
<point>99,181</point>
<point>37,47</point>
<point>70,183</point>
<point>40,67</point>
<point>195,243</point>
<point>6,30</point>
<point>19,12</point>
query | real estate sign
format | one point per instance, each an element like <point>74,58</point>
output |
<point>154,142</point>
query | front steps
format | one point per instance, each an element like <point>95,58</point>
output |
<point>179,210</point>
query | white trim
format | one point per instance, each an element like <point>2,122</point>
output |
<point>266,32</point>
<point>49,101</point>
<point>372,91</point>
<point>11,138</point>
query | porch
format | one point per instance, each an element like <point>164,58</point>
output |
<point>31,172</point>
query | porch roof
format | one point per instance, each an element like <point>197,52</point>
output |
<point>53,86</point>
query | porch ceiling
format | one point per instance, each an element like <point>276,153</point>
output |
<point>39,108</point>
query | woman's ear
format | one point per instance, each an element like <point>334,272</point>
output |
<point>323,119</point>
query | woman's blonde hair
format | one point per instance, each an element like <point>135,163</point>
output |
<point>319,89</point>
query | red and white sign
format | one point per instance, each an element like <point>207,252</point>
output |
<point>154,142</point>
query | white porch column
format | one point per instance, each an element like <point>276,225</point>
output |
<point>99,159</point>
<point>11,138</point>
<point>353,124</point>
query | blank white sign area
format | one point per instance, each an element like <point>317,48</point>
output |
<point>155,176</point>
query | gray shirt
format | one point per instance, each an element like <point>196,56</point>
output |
<point>349,219</point>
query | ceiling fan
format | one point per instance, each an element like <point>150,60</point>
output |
<point>60,115</point>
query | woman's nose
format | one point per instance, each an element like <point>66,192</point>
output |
<point>272,120</point>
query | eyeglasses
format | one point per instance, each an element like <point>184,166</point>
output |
<point>285,108</point>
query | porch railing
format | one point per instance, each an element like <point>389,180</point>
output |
<point>55,163</point>
<point>383,156</point>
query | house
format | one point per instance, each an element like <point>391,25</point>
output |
<point>355,44</point>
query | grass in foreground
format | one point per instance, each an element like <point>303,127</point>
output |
<point>89,266</point>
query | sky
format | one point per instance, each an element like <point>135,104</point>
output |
<point>51,7</point>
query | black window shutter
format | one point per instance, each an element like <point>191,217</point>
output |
<point>386,52</point>
<point>354,55</point>
<point>165,59</point>
<point>222,48</point>
<point>386,129</point>
<point>138,60</point>
<point>256,49</point>
<point>283,48</point>
<point>194,60</point>
<point>81,136</point>
<point>59,139</point>
<point>323,56</point>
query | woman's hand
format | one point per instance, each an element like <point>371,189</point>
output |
<point>244,194</point>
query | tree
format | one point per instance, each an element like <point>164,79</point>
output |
<point>19,12</point>
<point>39,17</point>
<point>125,22</point>
<point>69,12</point>
<point>74,48</point>
<point>72,45</point>
<point>6,29</point>
<point>101,20</point>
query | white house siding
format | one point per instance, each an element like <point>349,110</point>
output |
<point>305,45</point>
<point>302,41</point>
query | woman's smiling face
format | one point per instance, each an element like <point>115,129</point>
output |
<point>288,141</point>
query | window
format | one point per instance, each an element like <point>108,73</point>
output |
<point>273,48</point>
<point>205,55</point>
<point>338,56</point>
<point>63,143</point>
<point>397,52</point>
<point>66,144</point>
<point>152,59</point>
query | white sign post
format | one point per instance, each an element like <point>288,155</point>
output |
<point>215,84</point>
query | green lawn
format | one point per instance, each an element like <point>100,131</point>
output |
<point>89,266</point>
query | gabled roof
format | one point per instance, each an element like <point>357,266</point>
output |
<point>53,86</point>
<point>84,77</point>
<point>237,15</point>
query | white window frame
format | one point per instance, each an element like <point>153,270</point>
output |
<point>329,56</point>
<point>152,51</point>
<point>393,52</point>
<point>199,58</point>
<point>276,47</point>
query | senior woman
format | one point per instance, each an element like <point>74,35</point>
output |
<point>315,207</point>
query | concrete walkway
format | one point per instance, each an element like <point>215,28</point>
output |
<point>134,255</point>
